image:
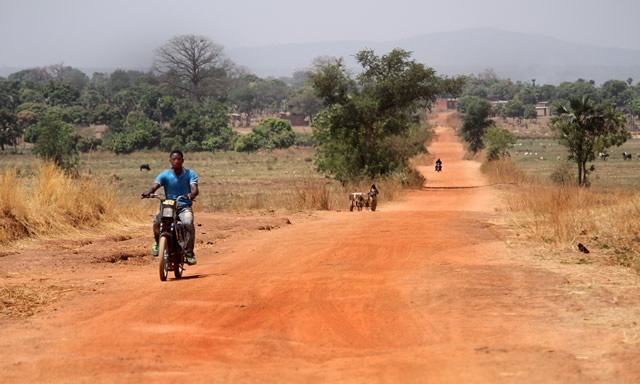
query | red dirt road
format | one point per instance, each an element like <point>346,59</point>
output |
<point>427,290</point>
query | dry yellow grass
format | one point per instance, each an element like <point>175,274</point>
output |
<point>566,214</point>
<point>51,204</point>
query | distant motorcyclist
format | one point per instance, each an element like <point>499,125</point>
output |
<point>438,165</point>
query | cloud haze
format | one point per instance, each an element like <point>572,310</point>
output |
<point>121,33</point>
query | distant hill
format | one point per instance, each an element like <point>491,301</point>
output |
<point>512,55</point>
<point>517,56</point>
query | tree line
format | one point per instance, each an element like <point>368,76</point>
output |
<point>521,97</point>
<point>365,126</point>
<point>587,119</point>
<point>182,102</point>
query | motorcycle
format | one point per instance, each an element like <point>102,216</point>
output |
<point>438,167</point>
<point>172,242</point>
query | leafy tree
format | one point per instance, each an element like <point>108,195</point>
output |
<point>273,94</point>
<point>139,132</point>
<point>498,141</point>
<point>60,94</point>
<point>107,115</point>
<point>527,95</point>
<point>27,116</point>
<point>56,141</point>
<point>245,95</point>
<point>299,79</point>
<point>10,95</point>
<point>635,106</point>
<point>577,89</point>
<point>118,81</point>
<point>530,112</point>
<point>475,122</point>
<point>28,95</point>
<point>475,87</point>
<point>74,77</point>
<point>585,129</point>
<point>304,102</point>
<point>91,98</point>
<point>271,133</point>
<point>514,108</point>
<point>86,144</point>
<point>502,90</point>
<point>201,128</point>
<point>167,108</point>
<point>546,92</point>
<point>190,62</point>
<point>32,75</point>
<point>76,115</point>
<point>126,101</point>
<point>362,116</point>
<point>9,129</point>
<point>616,92</point>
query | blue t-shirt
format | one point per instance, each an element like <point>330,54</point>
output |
<point>175,186</point>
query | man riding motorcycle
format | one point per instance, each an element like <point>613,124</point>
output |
<point>177,181</point>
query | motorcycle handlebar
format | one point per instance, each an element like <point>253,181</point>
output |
<point>162,197</point>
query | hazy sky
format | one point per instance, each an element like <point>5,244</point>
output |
<point>124,33</point>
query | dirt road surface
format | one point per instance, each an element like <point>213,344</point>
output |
<point>432,289</point>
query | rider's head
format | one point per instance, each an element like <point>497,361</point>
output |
<point>176,158</point>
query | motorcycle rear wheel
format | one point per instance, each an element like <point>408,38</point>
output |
<point>163,251</point>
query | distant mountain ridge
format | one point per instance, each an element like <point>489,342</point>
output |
<point>512,55</point>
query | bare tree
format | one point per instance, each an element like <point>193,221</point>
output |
<point>190,62</point>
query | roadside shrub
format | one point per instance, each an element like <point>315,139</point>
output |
<point>304,139</point>
<point>87,144</point>
<point>563,174</point>
<point>57,142</point>
<point>498,141</point>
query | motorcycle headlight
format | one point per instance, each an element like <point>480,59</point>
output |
<point>167,211</point>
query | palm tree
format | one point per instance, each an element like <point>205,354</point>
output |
<point>586,128</point>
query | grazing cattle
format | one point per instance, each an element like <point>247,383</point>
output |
<point>603,156</point>
<point>582,248</point>
<point>626,156</point>
<point>357,200</point>
<point>145,166</point>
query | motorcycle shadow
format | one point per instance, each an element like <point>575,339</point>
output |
<point>191,277</point>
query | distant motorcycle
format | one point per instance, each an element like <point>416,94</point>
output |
<point>171,246</point>
<point>438,167</point>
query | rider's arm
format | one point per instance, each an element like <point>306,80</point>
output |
<point>193,181</point>
<point>152,189</point>
<point>194,191</point>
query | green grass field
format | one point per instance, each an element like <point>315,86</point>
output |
<point>544,153</point>
<point>228,181</point>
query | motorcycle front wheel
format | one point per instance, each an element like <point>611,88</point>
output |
<point>163,251</point>
<point>178,268</point>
